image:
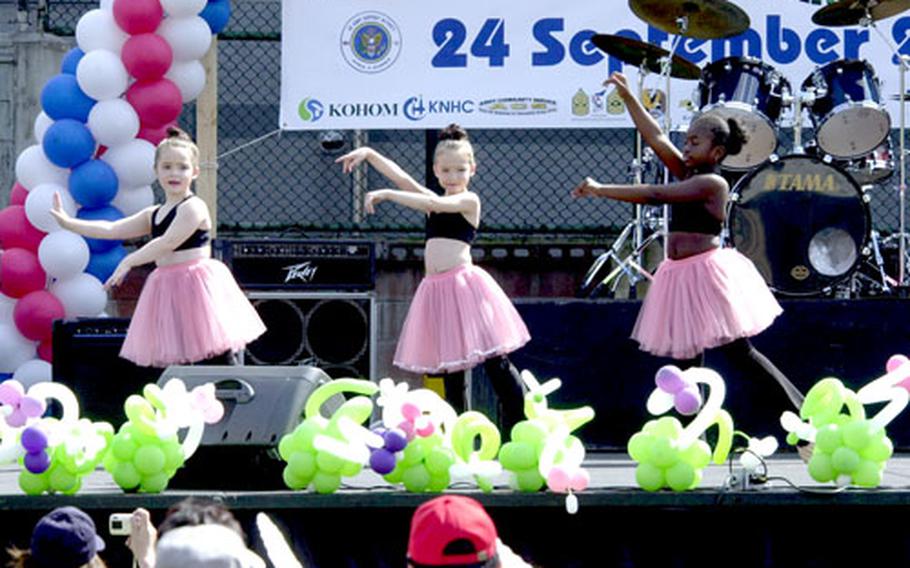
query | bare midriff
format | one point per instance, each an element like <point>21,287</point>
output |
<point>683,244</point>
<point>442,254</point>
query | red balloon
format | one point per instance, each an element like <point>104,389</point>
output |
<point>16,231</point>
<point>154,135</point>
<point>156,102</point>
<point>46,349</point>
<point>20,273</point>
<point>18,194</point>
<point>34,314</point>
<point>147,56</point>
<point>138,16</point>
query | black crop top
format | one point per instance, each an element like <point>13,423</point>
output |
<point>450,226</point>
<point>200,237</point>
<point>691,216</point>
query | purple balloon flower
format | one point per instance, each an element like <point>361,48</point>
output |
<point>12,394</point>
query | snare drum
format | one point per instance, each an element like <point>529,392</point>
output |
<point>849,119</point>
<point>751,91</point>
<point>873,168</point>
<point>802,222</point>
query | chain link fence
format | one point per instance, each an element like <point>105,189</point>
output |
<point>288,182</point>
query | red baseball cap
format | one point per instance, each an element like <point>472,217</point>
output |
<point>451,530</point>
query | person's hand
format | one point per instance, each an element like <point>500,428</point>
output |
<point>119,274</point>
<point>143,538</point>
<point>621,83</point>
<point>57,211</point>
<point>350,160</point>
<point>371,199</point>
<point>585,188</point>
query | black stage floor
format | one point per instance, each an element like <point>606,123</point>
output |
<point>790,520</point>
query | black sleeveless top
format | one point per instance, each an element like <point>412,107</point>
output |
<point>450,226</point>
<point>199,237</point>
<point>691,216</point>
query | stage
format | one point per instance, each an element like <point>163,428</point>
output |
<point>789,520</point>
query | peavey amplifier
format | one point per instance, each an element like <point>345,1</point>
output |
<point>300,264</point>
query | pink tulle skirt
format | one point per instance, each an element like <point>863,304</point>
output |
<point>458,319</point>
<point>703,301</point>
<point>188,312</point>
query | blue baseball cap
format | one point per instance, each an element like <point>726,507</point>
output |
<point>65,538</point>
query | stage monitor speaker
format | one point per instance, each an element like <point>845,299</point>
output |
<point>335,331</point>
<point>87,360</point>
<point>261,404</point>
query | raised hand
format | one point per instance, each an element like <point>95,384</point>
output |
<point>621,83</point>
<point>370,200</point>
<point>585,188</point>
<point>57,211</point>
<point>350,160</point>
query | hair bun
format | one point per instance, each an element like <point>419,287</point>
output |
<point>453,132</point>
<point>174,132</point>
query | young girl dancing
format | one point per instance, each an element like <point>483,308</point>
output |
<point>190,308</point>
<point>703,296</point>
<point>459,316</point>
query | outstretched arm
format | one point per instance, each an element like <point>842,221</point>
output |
<point>465,202</point>
<point>697,188</point>
<point>649,128</point>
<point>136,225</point>
<point>383,165</point>
<point>191,215</point>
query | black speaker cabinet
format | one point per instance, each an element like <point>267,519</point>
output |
<point>87,360</point>
<point>335,331</point>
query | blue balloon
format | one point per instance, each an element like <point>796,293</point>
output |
<point>104,213</point>
<point>102,264</point>
<point>62,97</point>
<point>67,143</point>
<point>71,60</point>
<point>93,183</point>
<point>216,13</point>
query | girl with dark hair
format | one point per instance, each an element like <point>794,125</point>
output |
<point>190,308</point>
<point>703,295</point>
<point>459,316</point>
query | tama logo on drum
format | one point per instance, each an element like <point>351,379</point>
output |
<point>800,182</point>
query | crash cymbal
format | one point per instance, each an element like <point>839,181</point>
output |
<point>707,19</point>
<point>646,55</point>
<point>851,12</point>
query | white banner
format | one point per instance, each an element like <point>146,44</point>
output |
<point>405,64</point>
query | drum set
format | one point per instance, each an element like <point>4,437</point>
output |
<point>803,218</point>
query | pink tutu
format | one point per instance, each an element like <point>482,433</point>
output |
<point>188,312</point>
<point>458,319</point>
<point>703,301</point>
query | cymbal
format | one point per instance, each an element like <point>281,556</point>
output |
<point>707,19</point>
<point>851,12</point>
<point>646,55</point>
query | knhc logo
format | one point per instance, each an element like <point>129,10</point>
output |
<point>370,42</point>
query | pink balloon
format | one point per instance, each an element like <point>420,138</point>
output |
<point>147,56</point>
<point>16,231</point>
<point>558,480</point>
<point>46,349</point>
<point>138,16</point>
<point>18,194</point>
<point>34,314</point>
<point>154,135</point>
<point>20,273</point>
<point>580,480</point>
<point>895,361</point>
<point>156,102</point>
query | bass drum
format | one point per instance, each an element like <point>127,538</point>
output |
<point>803,223</point>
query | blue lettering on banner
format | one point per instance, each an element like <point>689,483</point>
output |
<point>900,31</point>
<point>416,109</point>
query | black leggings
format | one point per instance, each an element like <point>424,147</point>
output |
<point>749,359</point>
<point>507,385</point>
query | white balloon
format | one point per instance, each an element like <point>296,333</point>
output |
<point>97,29</point>
<point>133,162</point>
<point>189,37</point>
<point>189,76</point>
<point>38,205</point>
<point>181,8</point>
<point>6,309</point>
<point>34,371</point>
<point>33,168</point>
<point>130,201</point>
<point>42,123</point>
<point>107,5</point>
<point>101,75</point>
<point>82,295</point>
<point>63,254</point>
<point>14,349</point>
<point>113,122</point>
